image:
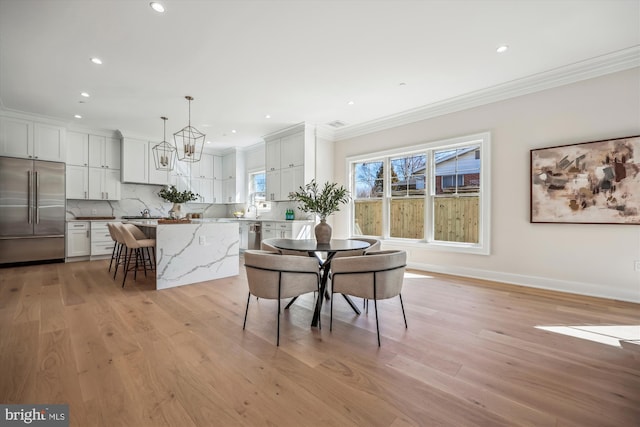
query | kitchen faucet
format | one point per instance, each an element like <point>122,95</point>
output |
<point>254,207</point>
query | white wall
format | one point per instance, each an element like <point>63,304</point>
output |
<point>586,259</point>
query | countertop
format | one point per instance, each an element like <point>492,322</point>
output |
<point>197,220</point>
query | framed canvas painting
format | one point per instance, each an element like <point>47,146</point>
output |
<point>587,183</point>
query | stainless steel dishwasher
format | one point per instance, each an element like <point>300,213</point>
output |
<point>255,235</point>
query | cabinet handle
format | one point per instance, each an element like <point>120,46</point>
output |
<point>107,195</point>
<point>87,233</point>
<point>85,194</point>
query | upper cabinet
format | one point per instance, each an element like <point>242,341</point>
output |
<point>93,166</point>
<point>77,148</point>
<point>290,159</point>
<point>233,174</point>
<point>135,160</point>
<point>32,140</point>
<point>104,152</point>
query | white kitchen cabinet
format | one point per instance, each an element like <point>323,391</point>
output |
<point>286,230</point>
<point>104,184</point>
<point>233,185</point>
<point>203,168</point>
<point>273,185</point>
<point>292,153</point>
<point>229,166</point>
<point>135,160</point>
<point>32,140</point>
<point>77,149</point>
<point>292,150</point>
<point>78,239</point>
<point>204,188</point>
<point>272,155</point>
<point>229,191</point>
<point>291,179</point>
<point>104,152</point>
<point>77,178</point>
<point>218,197</point>
<point>101,241</point>
<point>217,168</point>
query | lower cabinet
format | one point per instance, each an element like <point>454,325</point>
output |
<point>101,241</point>
<point>78,239</point>
<point>286,230</point>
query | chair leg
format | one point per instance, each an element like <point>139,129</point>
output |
<point>403,315</point>
<point>330,312</point>
<point>375,304</point>
<point>113,254</point>
<point>127,259</point>
<point>246,311</point>
<point>278,333</point>
<point>118,256</point>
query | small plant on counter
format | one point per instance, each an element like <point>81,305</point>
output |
<point>171,194</point>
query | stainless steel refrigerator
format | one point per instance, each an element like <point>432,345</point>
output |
<point>32,210</point>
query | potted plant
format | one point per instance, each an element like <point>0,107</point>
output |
<point>322,202</point>
<point>171,194</point>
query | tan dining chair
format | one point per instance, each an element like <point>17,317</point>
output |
<point>274,276</point>
<point>376,275</point>
<point>374,245</point>
<point>267,247</point>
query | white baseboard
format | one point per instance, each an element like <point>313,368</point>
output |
<point>580,288</point>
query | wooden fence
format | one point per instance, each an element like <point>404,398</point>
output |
<point>455,218</point>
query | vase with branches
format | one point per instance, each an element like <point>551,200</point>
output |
<point>322,201</point>
<point>171,194</point>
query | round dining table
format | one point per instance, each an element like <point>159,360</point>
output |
<point>315,249</point>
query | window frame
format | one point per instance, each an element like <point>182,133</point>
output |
<point>483,140</point>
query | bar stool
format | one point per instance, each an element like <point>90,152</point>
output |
<point>134,247</point>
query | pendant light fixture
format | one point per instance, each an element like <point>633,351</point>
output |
<point>164,154</point>
<point>189,141</point>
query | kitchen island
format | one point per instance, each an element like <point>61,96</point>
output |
<point>196,252</point>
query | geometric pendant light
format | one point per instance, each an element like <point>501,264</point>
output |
<point>164,154</point>
<point>189,141</point>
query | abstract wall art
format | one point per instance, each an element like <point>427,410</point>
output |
<point>588,183</point>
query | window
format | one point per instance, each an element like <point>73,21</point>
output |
<point>435,194</point>
<point>257,191</point>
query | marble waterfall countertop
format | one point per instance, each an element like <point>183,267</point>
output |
<point>196,252</point>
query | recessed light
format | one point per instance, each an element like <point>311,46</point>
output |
<point>208,142</point>
<point>350,102</point>
<point>502,49</point>
<point>78,116</point>
<point>96,61</point>
<point>85,94</point>
<point>233,131</point>
<point>267,116</point>
<point>158,7</point>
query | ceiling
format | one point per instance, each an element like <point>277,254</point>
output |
<point>294,60</point>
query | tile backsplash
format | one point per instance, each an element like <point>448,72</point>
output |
<point>136,197</point>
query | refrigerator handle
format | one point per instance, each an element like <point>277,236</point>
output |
<point>37,201</point>
<point>29,197</point>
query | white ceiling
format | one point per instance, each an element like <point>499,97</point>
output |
<point>295,60</point>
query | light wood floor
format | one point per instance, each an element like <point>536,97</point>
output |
<point>472,355</point>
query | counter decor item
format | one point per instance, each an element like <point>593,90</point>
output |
<point>171,194</point>
<point>322,202</point>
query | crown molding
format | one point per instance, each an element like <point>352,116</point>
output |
<point>595,67</point>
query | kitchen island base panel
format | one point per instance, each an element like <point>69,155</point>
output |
<point>193,253</point>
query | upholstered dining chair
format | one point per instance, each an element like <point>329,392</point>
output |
<point>374,246</point>
<point>376,275</point>
<point>274,276</point>
<point>267,247</point>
